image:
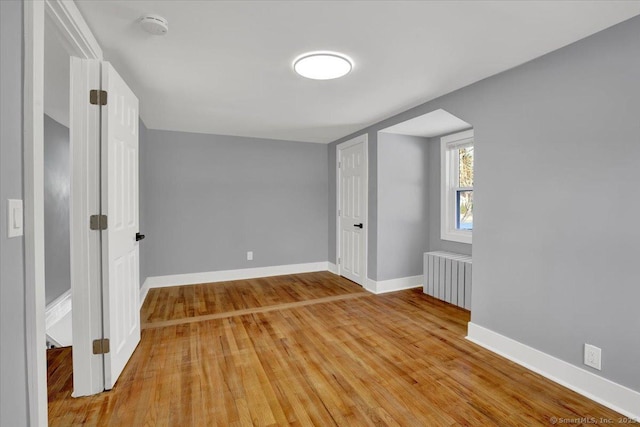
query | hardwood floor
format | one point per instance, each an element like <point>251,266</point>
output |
<point>310,349</point>
<point>175,303</point>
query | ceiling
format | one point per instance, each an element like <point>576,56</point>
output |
<point>435,123</point>
<point>225,67</point>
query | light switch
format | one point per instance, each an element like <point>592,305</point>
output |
<point>14,218</point>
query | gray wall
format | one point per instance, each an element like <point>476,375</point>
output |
<point>435,242</point>
<point>403,206</point>
<point>13,373</point>
<point>56,209</point>
<point>556,149</point>
<point>208,199</point>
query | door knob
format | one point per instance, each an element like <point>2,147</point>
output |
<point>139,237</point>
<point>358,225</point>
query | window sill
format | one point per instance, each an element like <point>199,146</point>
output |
<point>457,236</point>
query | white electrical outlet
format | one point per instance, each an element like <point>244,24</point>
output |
<point>593,356</point>
<point>250,256</point>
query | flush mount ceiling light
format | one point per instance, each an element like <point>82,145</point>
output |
<point>322,65</point>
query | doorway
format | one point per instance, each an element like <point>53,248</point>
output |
<point>87,245</point>
<point>57,191</point>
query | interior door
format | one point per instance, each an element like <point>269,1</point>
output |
<point>352,211</point>
<point>120,253</point>
<point>86,245</point>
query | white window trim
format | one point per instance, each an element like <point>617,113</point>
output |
<point>448,229</point>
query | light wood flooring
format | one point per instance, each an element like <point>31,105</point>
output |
<point>310,349</point>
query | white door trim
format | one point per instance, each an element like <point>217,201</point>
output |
<point>72,27</point>
<point>76,33</point>
<point>364,138</point>
<point>34,212</point>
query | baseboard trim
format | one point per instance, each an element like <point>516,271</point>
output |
<point>402,283</point>
<point>332,268</point>
<point>144,290</point>
<point>226,275</point>
<point>612,395</point>
<point>57,309</point>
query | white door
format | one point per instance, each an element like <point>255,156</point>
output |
<point>86,313</point>
<point>352,209</point>
<point>120,254</point>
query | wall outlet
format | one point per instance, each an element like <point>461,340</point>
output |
<point>593,356</point>
<point>250,256</point>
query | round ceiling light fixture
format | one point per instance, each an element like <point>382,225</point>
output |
<point>323,65</point>
<point>154,24</point>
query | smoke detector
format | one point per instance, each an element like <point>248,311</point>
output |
<point>155,24</point>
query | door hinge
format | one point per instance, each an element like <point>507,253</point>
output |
<point>338,260</point>
<point>101,346</point>
<point>339,165</point>
<point>98,97</point>
<point>339,212</point>
<point>98,222</point>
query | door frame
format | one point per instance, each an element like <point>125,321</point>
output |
<point>364,138</point>
<point>75,33</point>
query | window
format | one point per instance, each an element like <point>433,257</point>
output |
<point>457,187</point>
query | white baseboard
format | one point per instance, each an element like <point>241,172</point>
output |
<point>612,395</point>
<point>226,275</point>
<point>332,268</point>
<point>58,321</point>
<point>144,290</point>
<point>57,309</point>
<point>393,285</point>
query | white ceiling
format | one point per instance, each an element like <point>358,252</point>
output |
<point>435,123</point>
<point>225,67</point>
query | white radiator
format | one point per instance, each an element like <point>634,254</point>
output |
<point>447,276</point>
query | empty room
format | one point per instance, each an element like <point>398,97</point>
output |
<point>316,213</point>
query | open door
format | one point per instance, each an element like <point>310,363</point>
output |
<point>120,252</point>
<point>105,279</point>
